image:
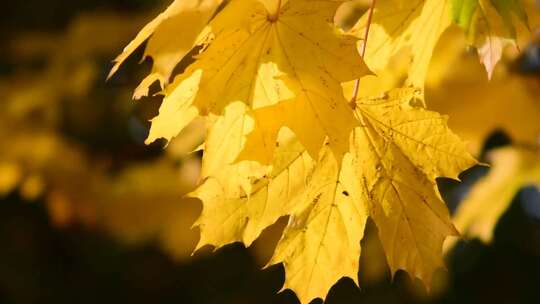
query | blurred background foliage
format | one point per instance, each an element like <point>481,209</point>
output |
<point>88,213</point>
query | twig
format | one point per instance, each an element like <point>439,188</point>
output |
<point>363,51</point>
<point>274,17</point>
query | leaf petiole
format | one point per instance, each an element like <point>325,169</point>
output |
<point>363,52</point>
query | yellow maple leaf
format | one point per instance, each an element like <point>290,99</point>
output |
<point>404,26</point>
<point>284,141</point>
<point>389,175</point>
<point>321,243</point>
<point>512,169</point>
<point>241,199</point>
<point>170,37</point>
<point>408,147</point>
<point>292,64</point>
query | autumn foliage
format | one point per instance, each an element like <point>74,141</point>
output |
<point>294,130</point>
<point>326,113</point>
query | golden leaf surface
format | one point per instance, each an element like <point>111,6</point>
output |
<point>292,64</point>
<point>321,243</point>
<point>242,199</point>
<point>284,141</point>
<point>396,154</point>
<point>401,149</point>
<point>171,35</point>
<point>404,26</point>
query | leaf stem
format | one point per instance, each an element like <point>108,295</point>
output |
<point>274,17</point>
<point>363,51</point>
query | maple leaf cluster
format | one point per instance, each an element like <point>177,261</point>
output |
<point>310,121</point>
